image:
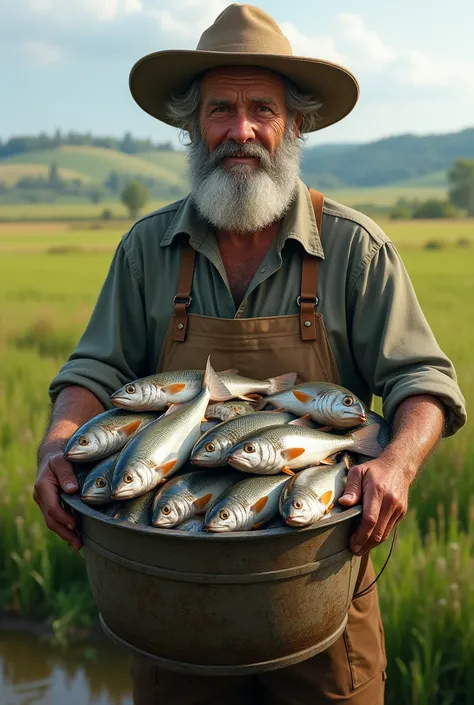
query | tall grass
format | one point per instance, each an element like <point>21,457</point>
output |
<point>426,595</point>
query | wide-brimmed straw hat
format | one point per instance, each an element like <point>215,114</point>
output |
<point>242,35</point>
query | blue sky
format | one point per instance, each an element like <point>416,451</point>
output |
<point>65,63</point>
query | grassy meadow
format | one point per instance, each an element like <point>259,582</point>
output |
<point>50,275</point>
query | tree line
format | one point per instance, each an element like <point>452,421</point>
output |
<point>32,143</point>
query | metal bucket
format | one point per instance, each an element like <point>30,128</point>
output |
<point>220,604</point>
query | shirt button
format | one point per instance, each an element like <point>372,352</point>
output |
<point>263,269</point>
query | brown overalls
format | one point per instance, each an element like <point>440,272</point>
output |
<point>352,670</point>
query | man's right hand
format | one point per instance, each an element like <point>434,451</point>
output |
<point>55,474</point>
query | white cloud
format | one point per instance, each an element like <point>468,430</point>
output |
<point>189,18</point>
<point>305,45</point>
<point>41,54</point>
<point>100,10</point>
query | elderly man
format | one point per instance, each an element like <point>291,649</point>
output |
<point>268,277</point>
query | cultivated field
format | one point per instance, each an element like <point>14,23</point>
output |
<point>49,279</point>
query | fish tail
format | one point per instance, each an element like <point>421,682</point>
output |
<point>282,382</point>
<point>366,441</point>
<point>217,388</point>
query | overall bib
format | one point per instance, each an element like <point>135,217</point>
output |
<point>352,670</point>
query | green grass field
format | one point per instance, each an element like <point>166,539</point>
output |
<point>426,592</point>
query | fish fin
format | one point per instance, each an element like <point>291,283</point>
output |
<point>252,397</point>
<point>204,420</point>
<point>326,499</point>
<point>229,372</point>
<point>282,382</point>
<point>201,502</point>
<point>366,441</point>
<point>285,469</point>
<point>302,396</point>
<point>305,420</point>
<point>324,429</point>
<point>347,460</point>
<point>171,408</point>
<point>327,461</point>
<point>259,505</point>
<point>165,468</point>
<point>217,389</point>
<point>261,403</point>
<point>173,388</point>
<point>292,453</point>
<point>331,506</point>
<point>130,428</point>
<point>259,524</point>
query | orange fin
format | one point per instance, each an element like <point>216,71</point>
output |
<point>324,429</point>
<point>229,372</point>
<point>347,460</point>
<point>258,506</point>
<point>166,467</point>
<point>292,453</point>
<point>305,420</point>
<point>287,470</point>
<point>326,498</point>
<point>173,388</point>
<point>201,502</point>
<point>327,461</point>
<point>331,506</point>
<point>302,396</point>
<point>259,524</point>
<point>203,420</point>
<point>251,397</point>
<point>130,428</point>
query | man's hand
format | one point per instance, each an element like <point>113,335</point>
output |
<point>55,473</point>
<point>383,487</point>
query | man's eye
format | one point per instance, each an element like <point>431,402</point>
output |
<point>264,108</point>
<point>220,109</point>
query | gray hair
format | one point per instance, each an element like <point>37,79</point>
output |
<point>183,109</point>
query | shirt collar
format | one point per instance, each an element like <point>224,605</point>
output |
<point>299,223</point>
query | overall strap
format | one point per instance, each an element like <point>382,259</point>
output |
<point>183,298</point>
<point>308,299</point>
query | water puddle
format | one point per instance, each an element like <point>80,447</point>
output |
<point>34,673</point>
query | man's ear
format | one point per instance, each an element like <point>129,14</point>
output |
<point>298,123</point>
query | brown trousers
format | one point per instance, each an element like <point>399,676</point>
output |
<point>351,671</point>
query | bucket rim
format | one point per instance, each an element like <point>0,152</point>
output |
<point>75,502</point>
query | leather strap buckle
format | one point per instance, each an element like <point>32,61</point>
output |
<point>308,300</point>
<point>184,300</point>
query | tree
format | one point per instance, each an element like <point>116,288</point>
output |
<point>113,181</point>
<point>461,184</point>
<point>134,196</point>
<point>54,177</point>
<point>435,208</point>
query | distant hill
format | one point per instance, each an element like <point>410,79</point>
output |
<point>388,161</point>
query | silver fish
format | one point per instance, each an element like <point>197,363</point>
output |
<point>312,493</point>
<point>183,497</point>
<point>136,510</point>
<point>285,448</point>
<point>164,446</point>
<point>97,488</point>
<point>157,391</point>
<point>105,434</point>
<point>249,504</point>
<point>212,448</point>
<point>328,404</point>
<point>227,410</point>
<point>193,525</point>
<point>384,434</point>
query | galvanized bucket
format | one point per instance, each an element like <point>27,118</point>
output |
<point>220,604</point>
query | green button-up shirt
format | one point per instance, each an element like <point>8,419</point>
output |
<point>378,333</point>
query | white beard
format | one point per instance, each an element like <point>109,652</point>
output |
<point>244,198</point>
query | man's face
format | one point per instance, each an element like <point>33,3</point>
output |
<point>242,105</point>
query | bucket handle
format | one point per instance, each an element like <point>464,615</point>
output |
<point>365,590</point>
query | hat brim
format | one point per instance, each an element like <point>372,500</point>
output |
<point>157,77</point>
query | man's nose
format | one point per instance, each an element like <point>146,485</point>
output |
<point>241,129</point>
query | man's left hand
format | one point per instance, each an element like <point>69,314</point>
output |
<point>383,487</point>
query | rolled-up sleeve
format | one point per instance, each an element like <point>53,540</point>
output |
<point>392,342</point>
<point>113,348</point>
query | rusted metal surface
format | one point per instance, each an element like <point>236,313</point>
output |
<point>222,604</point>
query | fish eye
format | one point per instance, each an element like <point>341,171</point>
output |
<point>130,389</point>
<point>83,441</point>
<point>298,504</point>
<point>128,478</point>
<point>348,401</point>
<point>224,514</point>
<point>209,447</point>
<point>166,509</point>
<point>249,448</point>
<point>100,482</point>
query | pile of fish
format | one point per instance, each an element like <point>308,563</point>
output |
<point>213,451</point>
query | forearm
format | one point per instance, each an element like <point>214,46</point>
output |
<point>417,428</point>
<point>73,407</point>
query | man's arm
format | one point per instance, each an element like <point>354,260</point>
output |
<point>73,407</point>
<point>383,483</point>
